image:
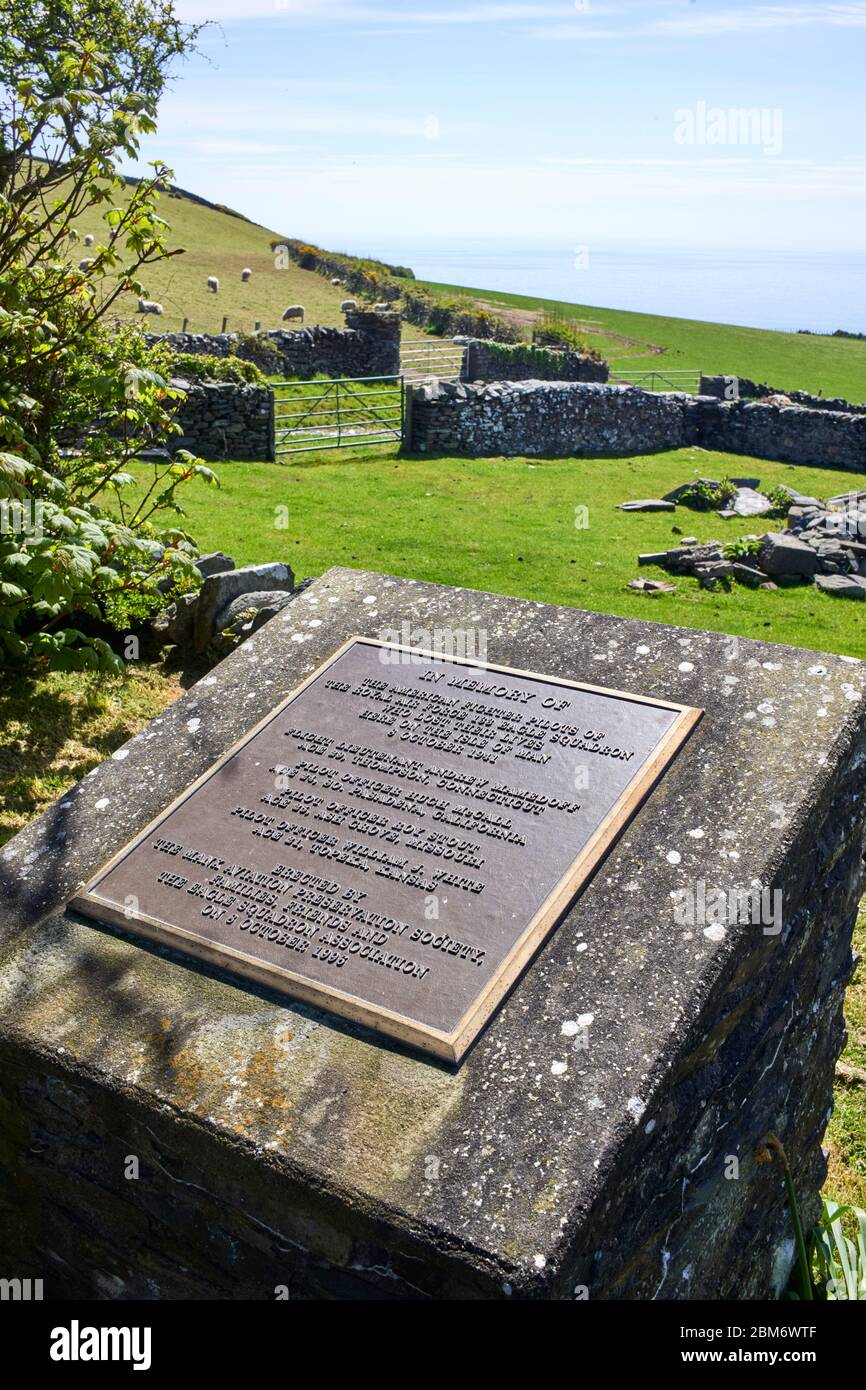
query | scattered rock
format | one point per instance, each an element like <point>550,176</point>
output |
<point>174,625</point>
<point>648,505</point>
<point>245,604</point>
<point>652,586</point>
<point>748,575</point>
<point>219,590</point>
<point>749,502</point>
<point>844,585</point>
<point>784,554</point>
<point>215,563</point>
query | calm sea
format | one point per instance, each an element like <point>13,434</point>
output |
<point>821,292</point>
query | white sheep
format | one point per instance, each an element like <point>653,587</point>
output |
<point>149,306</point>
<point>335,280</point>
<point>88,240</point>
<point>294,311</point>
<point>72,235</point>
<point>348,305</point>
<point>86,264</point>
<point>245,275</point>
<point>381,308</point>
<point>213,284</point>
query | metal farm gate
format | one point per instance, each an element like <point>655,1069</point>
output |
<point>651,379</point>
<point>422,358</point>
<point>339,414</point>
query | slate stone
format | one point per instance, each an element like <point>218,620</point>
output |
<point>215,563</point>
<point>174,625</point>
<point>270,600</point>
<point>747,574</point>
<point>279,1146</point>
<point>798,499</point>
<point>846,499</point>
<point>782,554</point>
<point>748,502</point>
<point>652,586</point>
<point>842,585</point>
<point>676,493</point>
<point>649,505</point>
<point>218,591</point>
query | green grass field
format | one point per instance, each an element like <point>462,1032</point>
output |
<point>794,361</point>
<point>508,526</point>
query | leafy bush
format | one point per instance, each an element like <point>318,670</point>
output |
<point>201,366</point>
<point>703,496</point>
<point>462,316</point>
<point>79,86</point>
<point>556,331</point>
<point>780,499</point>
<point>744,548</point>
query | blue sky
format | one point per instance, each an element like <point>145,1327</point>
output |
<point>363,125</point>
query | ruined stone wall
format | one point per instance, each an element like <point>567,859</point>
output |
<point>731,388</point>
<point>489,361</point>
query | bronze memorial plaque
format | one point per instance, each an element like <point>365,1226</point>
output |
<point>397,838</point>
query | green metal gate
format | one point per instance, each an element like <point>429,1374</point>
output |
<point>339,414</point>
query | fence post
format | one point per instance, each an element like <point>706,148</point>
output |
<point>406,413</point>
<point>185,325</point>
<point>225,321</point>
<point>272,426</point>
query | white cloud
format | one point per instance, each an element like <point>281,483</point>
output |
<point>544,20</point>
<point>757,17</point>
<point>228,11</point>
<point>715,23</point>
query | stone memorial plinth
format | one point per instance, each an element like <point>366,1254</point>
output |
<point>170,1131</point>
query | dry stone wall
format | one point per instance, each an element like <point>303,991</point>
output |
<point>790,434</point>
<point>565,418</point>
<point>489,361</point>
<point>224,420</point>
<point>369,345</point>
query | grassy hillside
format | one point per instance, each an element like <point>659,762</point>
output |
<point>832,366</point>
<point>218,243</point>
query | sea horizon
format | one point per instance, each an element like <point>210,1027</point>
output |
<point>815,291</point>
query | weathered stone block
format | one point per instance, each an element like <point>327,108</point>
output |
<point>587,1141</point>
<point>783,554</point>
<point>219,590</point>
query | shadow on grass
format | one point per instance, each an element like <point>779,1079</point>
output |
<point>54,729</point>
